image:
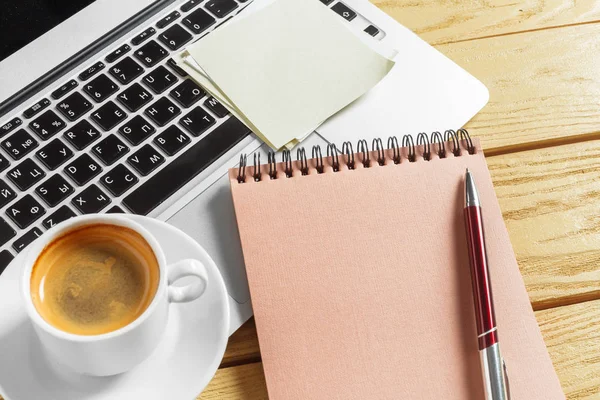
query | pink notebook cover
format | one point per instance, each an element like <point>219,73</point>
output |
<point>361,288</point>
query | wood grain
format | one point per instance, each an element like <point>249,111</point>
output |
<point>549,200</point>
<point>571,333</point>
<point>544,87</point>
<point>244,382</point>
<point>242,347</point>
<point>444,21</point>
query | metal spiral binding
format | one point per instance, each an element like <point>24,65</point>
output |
<point>363,148</point>
<point>301,157</point>
<point>256,172</point>
<point>318,156</point>
<point>451,135</point>
<point>272,165</point>
<point>423,141</point>
<point>377,145</point>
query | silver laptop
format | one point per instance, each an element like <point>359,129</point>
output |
<point>96,117</point>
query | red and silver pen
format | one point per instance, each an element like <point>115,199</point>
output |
<point>492,364</point>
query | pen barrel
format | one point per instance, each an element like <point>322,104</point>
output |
<point>480,279</point>
<point>494,379</point>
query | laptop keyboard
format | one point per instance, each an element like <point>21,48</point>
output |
<point>123,137</point>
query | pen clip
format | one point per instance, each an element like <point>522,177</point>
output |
<point>506,379</point>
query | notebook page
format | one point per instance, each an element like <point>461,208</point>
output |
<point>361,288</point>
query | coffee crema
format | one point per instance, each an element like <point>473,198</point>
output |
<point>95,279</point>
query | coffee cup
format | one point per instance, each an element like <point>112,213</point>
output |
<point>97,290</point>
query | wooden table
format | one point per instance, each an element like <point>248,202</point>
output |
<point>540,130</point>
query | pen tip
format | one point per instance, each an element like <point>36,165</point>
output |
<point>471,195</point>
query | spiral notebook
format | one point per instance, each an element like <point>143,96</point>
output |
<point>359,274</point>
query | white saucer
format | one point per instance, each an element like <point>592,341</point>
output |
<point>180,368</point>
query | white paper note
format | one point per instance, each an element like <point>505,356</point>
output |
<point>288,67</point>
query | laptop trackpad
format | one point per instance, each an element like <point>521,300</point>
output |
<point>210,220</point>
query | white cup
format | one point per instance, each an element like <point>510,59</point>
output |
<point>120,350</point>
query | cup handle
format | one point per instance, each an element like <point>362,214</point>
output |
<point>189,292</point>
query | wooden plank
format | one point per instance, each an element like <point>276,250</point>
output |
<point>244,382</point>
<point>544,86</point>
<point>572,334</point>
<point>443,21</point>
<point>549,199</point>
<point>242,347</point>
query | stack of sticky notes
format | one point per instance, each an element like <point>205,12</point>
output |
<point>284,68</point>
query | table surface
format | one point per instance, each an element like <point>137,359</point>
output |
<point>540,59</point>
<point>540,131</point>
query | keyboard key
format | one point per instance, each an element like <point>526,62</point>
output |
<point>327,2</point>
<point>134,97</point>
<point>372,30</point>
<point>175,37</point>
<point>83,169</point>
<point>58,216</point>
<point>6,232</point>
<point>82,134</point>
<point>190,4</point>
<point>126,70</point>
<point>54,154</point>
<point>171,140</point>
<point>25,174</point>
<point>168,19</point>
<point>145,160</point>
<point>36,108</point>
<point>160,79</point>
<point>198,21</point>
<point>47,125</point>
<point>54,190</point>
<point>11,125</point>
<point>136,130</point>
<point>26,239</point>
<point>151,53</point>
<point>143,36</point>
<point>185,167</point>
<point>221,8</point>
<point>119,180</point>
<point>91,71</point>
<point>91,200</point>
<point>4,163</point>
<point>344,11</point>
<point>5,258</point>
<point>74,106</point>
<point>217,108</point>
<point>108,116</point>
<point>187,93</point>
<point>162,111</point>
<point>118,53</point>
<point>25,211</point>
<point>197,121</point>
<point>110,149</point>
<point>64,89</point>
<point>176,67</point>
<point>6,193</point>
<point>100,88</point>
<point>19,144</point>
<point>116,210</point>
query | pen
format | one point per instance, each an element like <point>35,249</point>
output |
<point>492,364</point>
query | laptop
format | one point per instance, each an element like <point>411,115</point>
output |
<point>96,117</point>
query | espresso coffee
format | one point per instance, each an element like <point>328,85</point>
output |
<point>95,279</point>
